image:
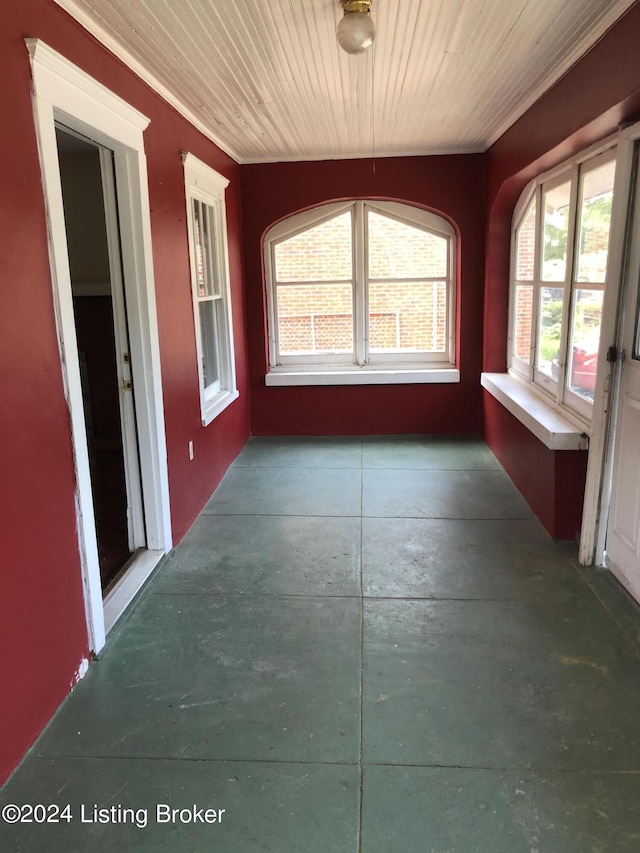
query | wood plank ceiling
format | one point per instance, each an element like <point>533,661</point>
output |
<point>266,80</point>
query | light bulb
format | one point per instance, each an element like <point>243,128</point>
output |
<point>355,32</point>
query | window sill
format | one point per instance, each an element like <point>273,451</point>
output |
<point>553,429</point>
<point>279,377</point>
<point>212,408</point>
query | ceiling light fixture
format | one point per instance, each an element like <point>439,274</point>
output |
<point>356,30</point>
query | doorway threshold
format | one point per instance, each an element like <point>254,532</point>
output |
<point>124,589</point>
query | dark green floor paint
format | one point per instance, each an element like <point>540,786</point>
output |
<point>361,646</point>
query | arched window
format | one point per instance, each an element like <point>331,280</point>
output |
<point>361,291</point>
<point>559,268</point>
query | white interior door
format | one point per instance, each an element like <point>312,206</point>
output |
<point>623,531</point>
<point>135,512</point>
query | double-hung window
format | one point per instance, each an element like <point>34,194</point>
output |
<point>559,268</point>
<point>361,291</point>
<point>206,223</point>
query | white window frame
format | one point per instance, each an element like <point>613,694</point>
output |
<point>203,184</point>
<point>555,391</point>
<point>360,366</point>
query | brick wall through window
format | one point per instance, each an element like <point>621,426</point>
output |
<point>315,296</point>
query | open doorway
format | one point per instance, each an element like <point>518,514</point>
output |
<point>110,132</point>
<point>100,316</point>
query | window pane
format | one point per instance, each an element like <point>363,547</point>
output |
<point>556,223</point>
<point>210,336</point>
<point>315,318</point>
<point>551,302</point>
<point>407,317</point>
<point>595,222</point>
<point>321,253</point>
<point>205,248</point>
<point>397,250</point>
<point>522,322</point>
<point>585,340</point>
<point>526,243</point>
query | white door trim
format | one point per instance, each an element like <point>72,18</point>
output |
<point>65,93</point>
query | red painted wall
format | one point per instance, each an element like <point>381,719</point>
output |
<point>41,588</point>
<point>552,482</point>
<point>586,105</point>
<point>42,620</point>
<point>452,186</point>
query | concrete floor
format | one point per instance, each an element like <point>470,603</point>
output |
<point>362,646</point>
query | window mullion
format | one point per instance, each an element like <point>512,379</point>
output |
<point>272,308</point>
<point>537,276</point>
<point>205,237</point>
<point>568,286</point>
<point>361,302</point>
<point>212,267</point>
<point>425,279</point>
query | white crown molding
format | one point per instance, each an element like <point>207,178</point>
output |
<point>115,47</point>
<point>615,13</point>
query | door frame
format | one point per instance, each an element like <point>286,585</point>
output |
<point>63,92</point>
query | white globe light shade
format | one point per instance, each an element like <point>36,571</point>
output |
<point>355,32</point>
